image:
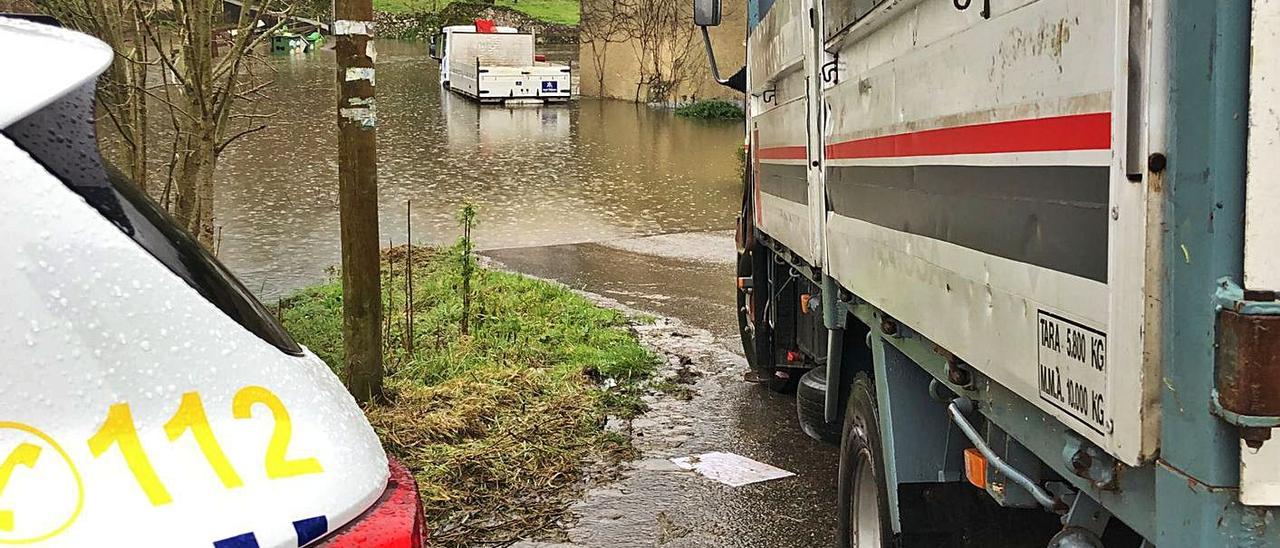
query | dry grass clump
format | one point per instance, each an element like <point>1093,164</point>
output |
<point>494,452</point>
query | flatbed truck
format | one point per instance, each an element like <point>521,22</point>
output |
<point>1025,253</point>
<point>495,64</point>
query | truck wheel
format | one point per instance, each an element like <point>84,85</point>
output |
<point>864,501</point>
<point>811,406</point>
<point>931,514</point>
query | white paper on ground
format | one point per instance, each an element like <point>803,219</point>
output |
<point>730,469</point>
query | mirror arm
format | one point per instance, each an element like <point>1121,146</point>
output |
<point>711,58</point>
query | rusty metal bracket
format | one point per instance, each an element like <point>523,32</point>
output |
<point>1247,361</point>
<point>1090,463</point>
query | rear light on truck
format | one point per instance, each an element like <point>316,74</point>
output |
<point>394,521</point>
<point>975,468</point>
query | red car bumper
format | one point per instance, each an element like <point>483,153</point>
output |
<point>394,521</point>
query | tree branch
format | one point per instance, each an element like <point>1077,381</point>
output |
<point>218,149</point>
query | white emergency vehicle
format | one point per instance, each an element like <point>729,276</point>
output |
<point>148,399</point>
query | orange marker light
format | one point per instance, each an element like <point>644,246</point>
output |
<point>804,303</point>
<point>975,468</point>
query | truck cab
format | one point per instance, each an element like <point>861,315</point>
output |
<point>440,42</point>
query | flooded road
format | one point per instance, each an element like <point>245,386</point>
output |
<point>588,171</point>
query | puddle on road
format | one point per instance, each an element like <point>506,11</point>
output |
<point>648,273</point>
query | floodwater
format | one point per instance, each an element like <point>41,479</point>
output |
<point>587,171</point>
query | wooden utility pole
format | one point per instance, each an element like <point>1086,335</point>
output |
<point>358,199</point>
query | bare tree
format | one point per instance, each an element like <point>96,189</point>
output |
<point>602,26</point>
<point>209,75</point>
<point>660,35</point>
<point>122,88</point>
<point>206,73</point>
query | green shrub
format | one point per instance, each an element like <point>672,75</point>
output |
<point>714,109</point>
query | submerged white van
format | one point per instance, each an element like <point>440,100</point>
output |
<point>147,398</point>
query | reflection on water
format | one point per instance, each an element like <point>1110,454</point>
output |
<point>588,171</point>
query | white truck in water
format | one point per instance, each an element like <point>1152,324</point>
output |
<point>1003,248</point>
<point>493,64</point>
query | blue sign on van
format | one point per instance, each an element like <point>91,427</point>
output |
<point>550,85</point>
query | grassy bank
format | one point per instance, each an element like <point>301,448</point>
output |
<point>564,12</point>
<point>714,109</point>
<point>497,422</point>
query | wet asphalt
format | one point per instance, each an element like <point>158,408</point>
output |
<point>687,280</point>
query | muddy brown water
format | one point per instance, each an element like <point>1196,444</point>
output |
<point>587,171</point>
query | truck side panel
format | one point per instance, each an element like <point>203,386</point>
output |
<point>1260,477</point>
<point>976,210</point>
<point>1261,252</point>
<point>780,108</point>
<point>781,175</point>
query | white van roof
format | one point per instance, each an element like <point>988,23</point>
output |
<point>42,63</point>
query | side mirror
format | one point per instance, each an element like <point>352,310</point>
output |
<point>706,13</point>
<point>432,50</point>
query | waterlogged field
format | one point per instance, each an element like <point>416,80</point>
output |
<point>496,422</point>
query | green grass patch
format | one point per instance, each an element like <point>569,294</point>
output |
<point>713,109</point>
<point>410,6</point>
<point>495,423</point>
<point>564,12</point>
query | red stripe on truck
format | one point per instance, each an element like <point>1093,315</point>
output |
<point>1059,133</point>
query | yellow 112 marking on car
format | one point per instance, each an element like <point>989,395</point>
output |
<point>120,430</point>
<point>36,460</point>
<point>278,466</point>
<point>25,454</point>
<point>190,416</point>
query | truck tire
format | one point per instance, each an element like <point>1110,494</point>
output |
<point>811,407</point>
<point>930,514</point>
<point>863,519</point>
